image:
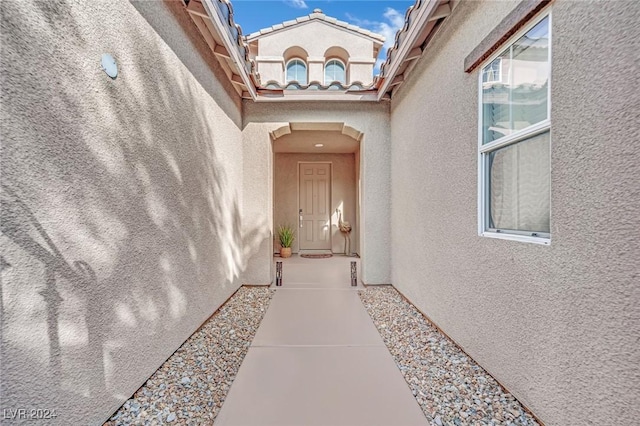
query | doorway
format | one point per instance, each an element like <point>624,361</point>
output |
<point>314,203</point>
<point>317,163</point>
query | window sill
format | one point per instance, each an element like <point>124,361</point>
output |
<point>520,238</point>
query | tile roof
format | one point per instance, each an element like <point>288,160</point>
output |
<point>400,34</point>
<point>224,9</point>
<point>316,15</point>
<point>415,17</point>
<point>316,85</point>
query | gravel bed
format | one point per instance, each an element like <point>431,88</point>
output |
<point>449,386</point>
<point>190,387</point>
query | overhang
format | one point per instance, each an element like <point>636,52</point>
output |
<point>215,21</point>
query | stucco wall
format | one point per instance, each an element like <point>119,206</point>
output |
<point>121,199</point>
<point>257,152</point>
<point>557,325</point>
<point>343,194</point>
<point>306,36</point>
<point>371,119</point>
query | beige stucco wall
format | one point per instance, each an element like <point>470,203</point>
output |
<point>306,36</point>
<point>257,172</point>
<point>343,194</point>
<point>371,119</point>
<point>122,200</point>
<point>557,325</point>
<point>316,38</point>
<point>361,72</point>
<point>271,70</point>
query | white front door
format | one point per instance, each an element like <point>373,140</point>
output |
<point>314,226</point>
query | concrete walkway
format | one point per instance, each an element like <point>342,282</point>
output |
<point>317,358</point>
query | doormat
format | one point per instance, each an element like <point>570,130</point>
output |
<point>316,256</point>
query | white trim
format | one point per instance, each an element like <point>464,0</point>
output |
<point>517,136</point>
<point>324,71</point>
<point>286,71</point>
<point>496,80</point>
<point>513,138</point>
<point>515,237</point>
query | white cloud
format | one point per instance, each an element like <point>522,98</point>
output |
<point>393,21</point>
<point>298,4</point>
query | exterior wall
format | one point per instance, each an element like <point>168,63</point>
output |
<point>343,193</point>
<point>315,68</point>
<point>360,71</point>
<point>306,37</point>
<point>557,325</point>
<point>369,118</point>
<point>122,199</point>
<point>257,152</point>
<point>271,69</point>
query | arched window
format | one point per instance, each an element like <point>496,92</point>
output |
<point>297,71</point>
<point>334,71</point>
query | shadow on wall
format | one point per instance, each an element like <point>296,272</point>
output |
<point>20,225</point>
<point>191,54</point>
<point>121,218</point>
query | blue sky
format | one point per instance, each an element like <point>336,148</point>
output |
<point>382,16</point>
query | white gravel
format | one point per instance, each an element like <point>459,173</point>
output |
<point>190,387</point>
<point>449,386</point>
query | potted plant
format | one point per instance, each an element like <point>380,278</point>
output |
<point>286,236</point>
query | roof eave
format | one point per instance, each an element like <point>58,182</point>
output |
<point>411,40</point>
<point>225,46</point>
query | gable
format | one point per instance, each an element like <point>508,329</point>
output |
<point>315,37</point>
<point>318,16</point>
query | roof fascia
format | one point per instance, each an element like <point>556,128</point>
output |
<point>404,49</point>
<point>211,6</point>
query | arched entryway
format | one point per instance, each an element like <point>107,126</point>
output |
<point>316,181</point>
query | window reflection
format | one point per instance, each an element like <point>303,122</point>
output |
<point>515,85</point>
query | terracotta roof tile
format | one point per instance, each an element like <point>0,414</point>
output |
<point>400,34</point>
<point>356,86</point>
<point>317,15</point>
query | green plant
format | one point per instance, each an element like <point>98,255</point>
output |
<point>286,235</point>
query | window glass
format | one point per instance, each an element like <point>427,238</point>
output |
<point>334,71</point>
<point>297,71</point>
<point>519,190</point>
<point>514,147</point>
<point>492,72</point>
<point>518,98</point>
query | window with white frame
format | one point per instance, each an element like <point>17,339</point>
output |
<point>297,71</point>
<point>492,72</point>
<point>334,70</point>
<point>514,138</point>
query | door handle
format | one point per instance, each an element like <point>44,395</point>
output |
<point>300,211</point>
